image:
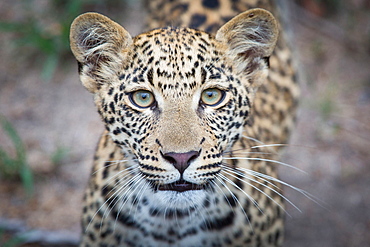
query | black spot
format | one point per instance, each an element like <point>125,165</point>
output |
<point>203,75</point>
<point>80,66</point>
<point>153,212</point>
<point>231,200</point>
<point>215,76</point>
<point>145,201</point>
<point>158,142</point>
<point>227,241</point>
<point>105,172</point>
<point>218,223</point>
<point>159,237</point>
<point>202,141</point>
<point>180,7</point>
<point>200,57</point>
<point>123,218</point>
<point>211,4</point>
<point>150,76</point>
<point>277,237</point>
<point>267,61</point>
<point>118,131</point>
<point>92,237</point>
<point>212,28</point>
<point>206,203</point>
<point>150,60</point>
<point>105,190</point>
<point>203,48</point>
<point>238,234</point>
<point>106,233</point>
<point>197,20</point>
<point>111,105</point>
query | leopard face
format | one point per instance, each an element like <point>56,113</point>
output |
<point>175,99</point>
<point>176,120</point>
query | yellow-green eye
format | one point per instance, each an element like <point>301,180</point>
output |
<point>212,96</point>
<point>142,98</point>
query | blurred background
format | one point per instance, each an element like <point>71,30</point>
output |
<point>49,127</point>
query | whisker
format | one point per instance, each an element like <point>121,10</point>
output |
<point>124,172</point>
<point>267,160</point>
<point>245,193</point>
<point>264,185</point>
<point>270,145</point>
<point>134,184</point>
<point>115,195</point>
<point>301,191</point>
<point>252,139</point>
<point>203,209</point>
<point>225,196</point>
<point>235,198</point>
<point>114,162</point>
<point>201,206</point>
<point>97,211</point>
<point>285,145</point>
<point>240,152</point>
<point>275,144</point>
<point>141,192</point>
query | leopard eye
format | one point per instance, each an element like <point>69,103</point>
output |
<point>142,98</point>
<point>212,96</point>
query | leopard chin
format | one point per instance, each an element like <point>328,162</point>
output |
<point>179,200</point>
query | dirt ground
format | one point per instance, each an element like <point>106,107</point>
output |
<point>330,144</point>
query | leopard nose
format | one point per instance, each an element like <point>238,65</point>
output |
<point>181,161</point>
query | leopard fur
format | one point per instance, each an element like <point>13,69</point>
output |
<point>185,168</point>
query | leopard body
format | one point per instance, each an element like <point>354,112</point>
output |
<point>189,109</point>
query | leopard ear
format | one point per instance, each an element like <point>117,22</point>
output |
<point>250,37</point>
<point>99,45</point>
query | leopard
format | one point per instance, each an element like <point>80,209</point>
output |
<point>196,109</point>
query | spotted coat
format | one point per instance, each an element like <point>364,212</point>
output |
<point>182,161</point>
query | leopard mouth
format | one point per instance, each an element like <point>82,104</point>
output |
<point>180,186</point>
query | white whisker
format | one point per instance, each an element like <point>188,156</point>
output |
<point>141,192</point>
<point>134,184</point>
<point>267,160</point>
<point>245,193</point>
<point>123,172</point>
<point>235,198</point>
<point>113,198</point>
<point>114,162</point>
<point>303,192</point>
<point>232,152</point>
<point>264,185</point>
<point>227,199</point>
<point>253,139</point>
<point>97,211</point>
<point>270,145</point>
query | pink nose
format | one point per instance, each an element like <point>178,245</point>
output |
<point>181,161</point>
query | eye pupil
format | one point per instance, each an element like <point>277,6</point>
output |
<point>212,96</point>
<point>142,98</point>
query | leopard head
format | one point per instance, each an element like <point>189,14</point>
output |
<point>174,99</point>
